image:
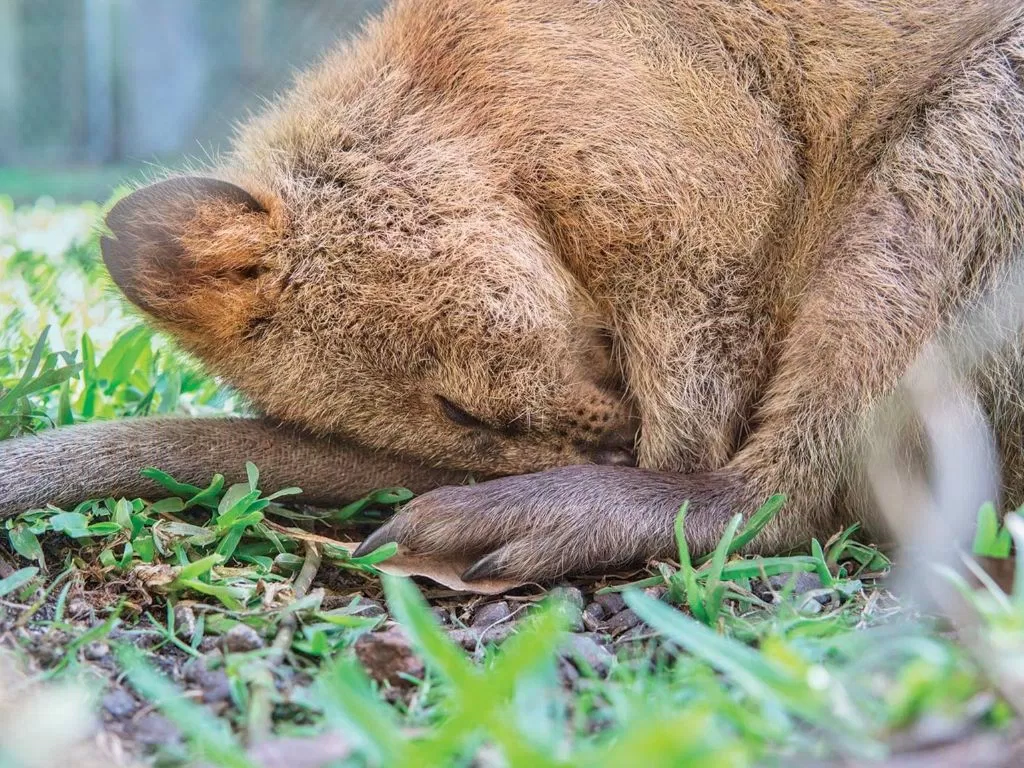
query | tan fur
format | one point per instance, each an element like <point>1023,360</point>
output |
<point>768,207</point>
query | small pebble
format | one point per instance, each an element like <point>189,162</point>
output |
<point>388,656</point>
<point>284,678</point>
<point>622,621</point>
<point>498,632</point>
<point>240,639</point>
<point>214,683</point>
<point>573,600</point>
<point>612,602</point>
<point>576,623</point>
<point>571,595</point>
<point>491,613</point>
<point>472,637</point>
<point>96,651</point>
<point>193,670</point>
<point>119,703</point>
<point>811,605</point>
<point>140,638</point>
<point>465,638</point>
<point>586,648</point>
<point>593,616</point>
<point>155,730</point>
<point>216,687</point>
<point>48,654</point>
<point>184,622</point>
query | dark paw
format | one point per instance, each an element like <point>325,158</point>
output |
<point>574,520</point>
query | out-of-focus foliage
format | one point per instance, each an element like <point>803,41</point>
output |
<point>70,348</point>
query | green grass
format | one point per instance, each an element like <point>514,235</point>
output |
<point>721,678</point>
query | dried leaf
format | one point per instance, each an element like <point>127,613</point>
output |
<point>155,575</point>
<point>445,572</point>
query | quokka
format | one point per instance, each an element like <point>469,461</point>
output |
<point>615,255</point>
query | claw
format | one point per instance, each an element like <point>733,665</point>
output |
<point>386,534</point>
<point>488,567</point>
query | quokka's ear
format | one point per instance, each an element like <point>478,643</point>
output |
<point>189,251</point>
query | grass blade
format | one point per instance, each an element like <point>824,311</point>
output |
<point>755,525</point>
<point>17,580</point>
<point>411,610</point>
<point>713,595</point>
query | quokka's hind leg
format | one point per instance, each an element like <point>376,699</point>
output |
<point>68,465</point>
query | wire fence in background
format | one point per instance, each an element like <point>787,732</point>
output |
<point>92,82</point>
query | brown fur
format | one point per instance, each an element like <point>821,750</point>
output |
<point>732,224</point>
<point>65,466</point>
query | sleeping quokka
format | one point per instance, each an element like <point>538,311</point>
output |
<point>618,255</point>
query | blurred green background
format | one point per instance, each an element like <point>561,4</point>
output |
<point>94,91</point>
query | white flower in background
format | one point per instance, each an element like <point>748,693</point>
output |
<point>49,230</point>
<point>60,296</point>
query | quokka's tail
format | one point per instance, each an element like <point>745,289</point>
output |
<point>71,464</point>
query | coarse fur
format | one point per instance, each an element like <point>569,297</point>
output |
<point>561,237</point>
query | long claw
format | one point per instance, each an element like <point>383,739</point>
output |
<point>488,567</point>
<point>386,534</point>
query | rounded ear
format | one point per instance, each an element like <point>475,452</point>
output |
<point>152,252</point>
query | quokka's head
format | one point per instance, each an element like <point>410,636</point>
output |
<point>404,305</point>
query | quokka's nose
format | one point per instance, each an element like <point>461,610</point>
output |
<point>618,448</point>
<point>617,457</point>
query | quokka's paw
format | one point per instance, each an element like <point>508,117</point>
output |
<point>570,521</point>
